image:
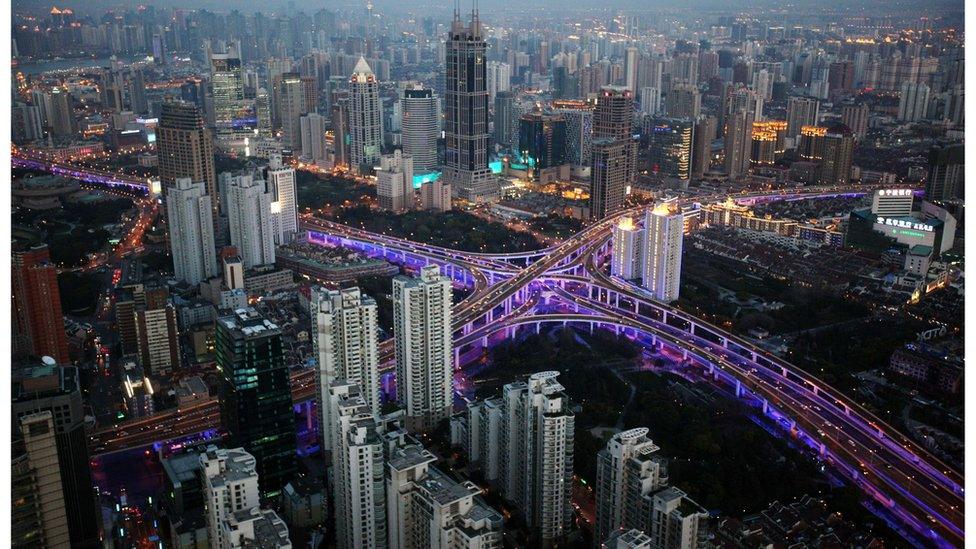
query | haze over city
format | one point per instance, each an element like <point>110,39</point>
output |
<point>628,275</point>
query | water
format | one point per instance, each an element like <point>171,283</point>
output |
<point>66,64</point>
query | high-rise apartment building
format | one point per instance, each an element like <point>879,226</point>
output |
<point>366,118</point>
<point>358,470</point>
<point>38,323</point>
<point>738,143</point>
<point>630,69</point>
<point>627,244</point>
<point>663,238</point>
<point>61,115</point>
<point>801,111</point>
<point>394,182</point>
<point>423,346</point>
<point>191,231</point>
<point>857,117</point>
<point>255,395</point>
<point>157,335</point>
<point>418,129</point>
<point>706,128</point>
<point>428,509</point>
<point>499,78</point>
<point>252,229</point>
<point>284,199</point>
<point>346,349</point>
<point>230,484</point>
<point>466,113</point>
<point>913,101</point>
<point>945,176</point>
<point>313,137</point>
<point>838,155</point>
<point>185,147</point>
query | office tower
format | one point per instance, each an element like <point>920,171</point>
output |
<point>435,195</point>
<point>499,78</point>
<point>856,117</point>
<point>630,69</point>
<point>614,151</point>
<point>626,261</point>
<point>185,147</point>
<point>191,239</point>
<point>538,454</point>
<point>738,139</point>
<point>542,140</point>
<point>157,336</point>
<point>37,478</point>
<point>284,200</point>
<point>505,129</point>
<point>684,101</point>
<point>366,119</point>
<point>38,324</point>
<point>892,202</point>
<point>466,113</point>
<point>800,111</point>
<point>394,182</point>
<point>423,347</point>
<point>357,470</point>
<point>252,229</point>
<point>340,131</point>
<point>262,111</point>
<point>945,176</point>
<point>913,102</point>
<point>191,91</point>
<point>650,101</point>
<point>53,390</point>
<point>255,396</point>
<point>670,144</point>
<point>291,107</point>
<point>313,137</point>
<point>61,115</point>
<point>579,130</point>
<point>838,155</point>
<point>428,509</point>
<point>137,92</point>
<point>627,464</point>
<point>663,237</point>
<point>632,495</point>
<point>706,128</point>
<point>228,91</point>
<point>418,130</point>
<point>346,349</point>
<point>230,484</point>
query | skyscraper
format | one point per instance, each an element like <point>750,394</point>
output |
<point>341,139</point>
<point>394,182</point>
<point>913,101</point>
<point>255,396</point>
<point>185,147</point>
<point>284,200</point>
<point>946,169</point>
<point>670,143</point>
<point>55,391</point>
<point>684,101</point>
<point>838,155</point>
<point>857,117</point>
<point>37,477</point>
<point>706,127</point>
<point>38,324</point>
<point>630,69</point>
<point>627,247</point>
<point>251,224</point>
<point>157,335</point>
<point>800,111</point>
<point>313,137</point>
<point>614,151</point>
<point>419,128</point>
<point>366,118</point>
<point>346,349</point>
<point>663,237</point>
<point>358,470</point>
<point>542,140</point>
<point>423,347</point>
<point>579,130</point>
<point>291,107</point>
<point>191,231</point>
<point>466,113</point>
<point>499,78</point>
<point>738,140</point>
<point>505,129</point>
<point>61,115</point>
<point>228,91</point>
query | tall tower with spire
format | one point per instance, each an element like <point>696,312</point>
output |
<point>366,118</point>
<point>466,112</point>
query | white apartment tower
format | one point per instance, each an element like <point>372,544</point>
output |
<point>357,470</point>
<point>284,202</point>
<point>313,126</point>
<point>252,229</point>
<point>346,348</point>
<point>366,118</point>
<point>499,79</point>
<point>230,484</point>
<point>394,182</point>
<point>191,231</point>
<point>663,238</point>
<point>627,246</point>
<point>627,460</point>
<point>423,343</point>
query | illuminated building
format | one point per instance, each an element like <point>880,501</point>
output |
<point>614,151</point>
<point>291,107</point>
<point>419,128</point>
<point>366,119</point>
<point>670,144</point>
<point>284,200</point>
<point>663,238</point>
<point>228,93</point>
<point>811,146</point>
<point>627,247</point>
<point>185,147</point>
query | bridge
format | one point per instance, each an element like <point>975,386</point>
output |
<point>567,284</point>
